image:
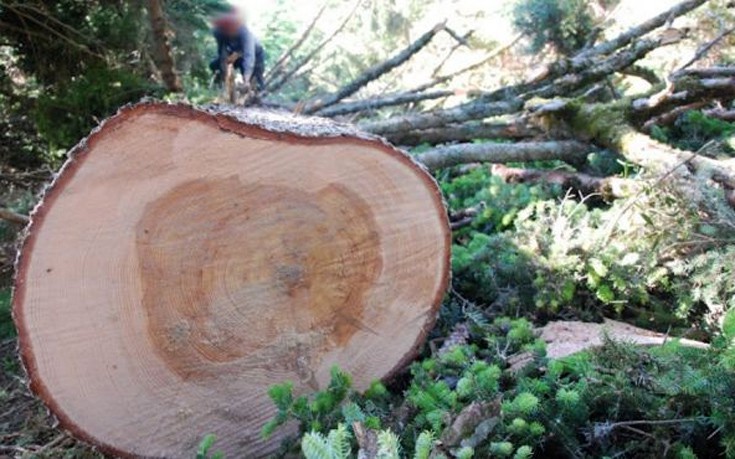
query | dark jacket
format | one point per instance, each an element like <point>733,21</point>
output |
<point>244,43</point>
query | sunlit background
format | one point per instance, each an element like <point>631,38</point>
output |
<point>488,21</point>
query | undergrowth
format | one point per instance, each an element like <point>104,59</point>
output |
<point>472,399</point>
<point>653,258</point>
<point>7,329</point>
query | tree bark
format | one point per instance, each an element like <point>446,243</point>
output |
<point>13,217</point>
<point>467,132</point>
<point>608,188</point>
<point>162,49</point>
<point>183,261</point>
<point>390,100</point>
<point>467,112</point>
<point>606,125</point>
<point>442,157</point>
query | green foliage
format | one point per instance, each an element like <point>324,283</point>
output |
<point>205,447</point>
<point>68,114</point>
<point>335,445</point>
<point>565,24</point>
<point>424,445</point>
<point>280,34</point>
<point>503,201</point>
<point>76,62</point>
<point>21,147</point>
<point>728,325</point>
<point>7,329</point>
<point>549,258</point>
<point>707,278</point>
<point>693,130</point>
<point>326,409</point>
<point>614,400</point>
<point>193,43</point>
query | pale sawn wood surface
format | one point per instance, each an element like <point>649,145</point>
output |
<point>186,260</point>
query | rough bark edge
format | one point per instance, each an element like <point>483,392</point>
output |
<point>260,124</point>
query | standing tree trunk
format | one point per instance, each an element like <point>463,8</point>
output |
<point>184,261</point>
<point>162,49</point>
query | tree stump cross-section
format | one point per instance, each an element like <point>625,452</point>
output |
<point>185,259</point>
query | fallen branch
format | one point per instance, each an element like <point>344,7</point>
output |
<point>685,91</point>
<point>643,73</point>
<point>438,118</point>
<point>569,72</point>
<point>671,117</point>
<point>567,338</point>
<point>608,188</point>
<point>603,125</point>
<point>376,72</point>
<point>286,56</point>
<point>568,151</point>
<point>467,132</point>
<point>272,87</point>
<point>465,217</point>
<point>460,43</point>
<point>721,113</point>
<point>599,70</point>
<point>13,217</point>
<point>630,35</point>
<point>709,72</point>
<point>382,102</point>
<point>704,49</point>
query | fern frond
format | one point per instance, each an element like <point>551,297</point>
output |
<point>339,442</point>
<point>388,445</point>
<point>424,445</point>
<point>315,446</point>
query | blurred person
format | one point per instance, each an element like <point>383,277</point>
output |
<point>234,37</point>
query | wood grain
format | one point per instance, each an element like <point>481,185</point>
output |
<point>186,260</point>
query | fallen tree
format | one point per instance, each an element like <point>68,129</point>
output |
<point>194,270</point>
<point>564,111</point>
<point>194,225</point>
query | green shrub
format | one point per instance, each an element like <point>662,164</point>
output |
<point>205,449</point>
<point>7,329</point>
<point>652,258</point>
<point>67,114</point>
<point>693,130</point>
<point>564,24</point>
<point>619,399</point>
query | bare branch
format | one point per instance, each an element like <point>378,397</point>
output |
<point>13,217</point>
<point>386,101</point>
<point>631,35</point>
<point>644,73</point>
<point>438,118</point>
<point>710,72</point>
<point>703,50</point>
<point>375,72</point>
<point>683,92</point>
<point>438,158</point>
<point>607,187</point>
<point>275,86</point>
<point>286,56</point>
<point>466,132</point>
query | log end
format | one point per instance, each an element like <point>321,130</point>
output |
<point>185,260</point>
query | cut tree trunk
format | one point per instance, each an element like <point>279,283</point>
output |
<point>186,260</point>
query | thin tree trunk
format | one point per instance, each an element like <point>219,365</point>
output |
<point>162,49</point>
